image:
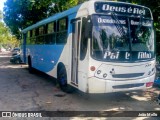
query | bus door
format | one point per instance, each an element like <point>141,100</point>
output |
<point>75,51</point>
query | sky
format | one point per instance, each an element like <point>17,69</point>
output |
<point>2,4</point>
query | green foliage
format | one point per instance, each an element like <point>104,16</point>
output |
<point>61,5</point>
<point>1,15</point>
<point>20,14</point>
<point>6,39</point>
<point>3,33</point>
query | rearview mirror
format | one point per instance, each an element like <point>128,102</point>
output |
<point>88,27</point>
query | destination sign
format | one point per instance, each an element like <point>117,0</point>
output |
<point>104,20</point>
<point>124,55</point>
<point>121,8</point>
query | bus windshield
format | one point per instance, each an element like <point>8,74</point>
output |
<point>122,38</point>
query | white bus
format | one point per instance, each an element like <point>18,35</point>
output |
<point>96,47</point>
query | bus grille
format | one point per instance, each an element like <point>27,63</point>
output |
<point>128,86</point>
<point>127,75</point>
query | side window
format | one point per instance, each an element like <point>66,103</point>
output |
<point>33,38</point>
<point>30,33</point>
<point>33,33</point>
<point>84,40</point>
<point>62,24</point>
<point>37,31</point>
<point>41,30</point>
<point>62,27</point>
<point>30,37</point>
<point>40,35</point>
<point>50,38</point>
<point>50,28</point>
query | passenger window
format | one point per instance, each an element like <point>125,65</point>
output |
<point>41,30</point>
<point>62,24</point>
<point>61,36</point>
<point>50,28</point>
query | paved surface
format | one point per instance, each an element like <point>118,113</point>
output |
<point>21,91</point>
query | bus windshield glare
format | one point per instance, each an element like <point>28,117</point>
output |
<point>122,38</point>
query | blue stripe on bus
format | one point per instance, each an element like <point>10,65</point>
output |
<point>45,57</point>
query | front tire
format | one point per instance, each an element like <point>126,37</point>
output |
<point>62,79</point>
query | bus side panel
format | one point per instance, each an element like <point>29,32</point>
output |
<point>44,57</point>
<point>61,54</point>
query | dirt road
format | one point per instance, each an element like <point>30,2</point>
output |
<point>21,91</point>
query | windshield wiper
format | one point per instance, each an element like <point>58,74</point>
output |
<point>118,25</point>
<point>122,31</point>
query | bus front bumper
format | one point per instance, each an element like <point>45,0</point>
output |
<point>96,85</point>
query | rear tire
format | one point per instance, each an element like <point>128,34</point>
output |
<point>62,79</point>
<point>30,68</point>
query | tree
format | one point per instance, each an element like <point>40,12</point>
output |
<point>20,14</point>
<point>1,15</point>
<point>61,5</point>
<point>6,39</point>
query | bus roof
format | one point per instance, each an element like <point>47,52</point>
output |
<point>71,11</point>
